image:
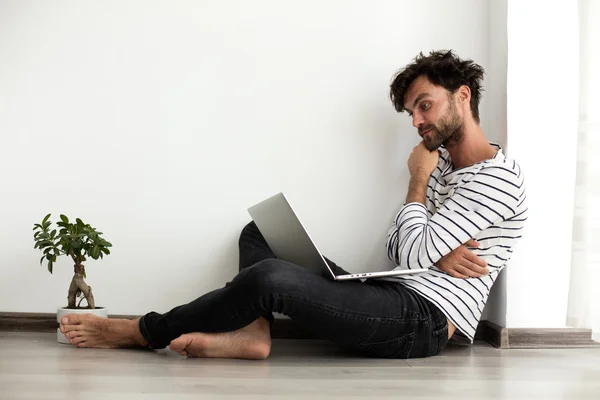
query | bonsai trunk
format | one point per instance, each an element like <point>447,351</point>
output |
<point>78,285</point>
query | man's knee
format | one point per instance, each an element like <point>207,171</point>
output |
<point>271,275</point>
<point>249,231</point>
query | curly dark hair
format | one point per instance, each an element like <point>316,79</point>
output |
<point>442,68</point>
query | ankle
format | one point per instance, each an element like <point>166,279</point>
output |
<point>261,339</point>
<point>136,334</point>
<point>263,326</point>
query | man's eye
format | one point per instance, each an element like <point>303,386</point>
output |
<point>425,106</point>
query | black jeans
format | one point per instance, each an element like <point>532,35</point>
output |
<point>375,318</point>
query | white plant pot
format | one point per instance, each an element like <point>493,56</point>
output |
<point>61,312</point>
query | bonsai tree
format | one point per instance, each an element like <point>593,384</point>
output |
<point>77,240</point>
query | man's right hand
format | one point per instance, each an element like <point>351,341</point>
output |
<point>463,263</point>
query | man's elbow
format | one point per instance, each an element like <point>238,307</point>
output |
<point>411,260</point>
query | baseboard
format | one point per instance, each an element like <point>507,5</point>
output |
<point>283,328</point>
<point>46,322</point>
<point>535,338</point>
<point>28,322</point>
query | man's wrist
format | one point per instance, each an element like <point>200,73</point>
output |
<point>420,177</point>
<point>417,188</point>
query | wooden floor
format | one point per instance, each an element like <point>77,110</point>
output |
<point>35,366</point>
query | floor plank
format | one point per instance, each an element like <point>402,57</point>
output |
<point>35,366</point>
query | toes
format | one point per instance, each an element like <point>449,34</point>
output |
<point>76,319</point>
<point>77,333</point>
<point>78,339</point>
<point>68,328</point>
<point>71,319</point>
<point>178,345</point>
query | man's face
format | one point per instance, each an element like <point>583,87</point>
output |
<point>434,113</point>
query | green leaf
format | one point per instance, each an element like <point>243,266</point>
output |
<point>37,226</point>
<point>45,243</point>
<point>42,259</point>
<point>46,225</point>
<point>95,252</point>
<point>46,219</point>
<point>64,218</point>
<point>50,266</point>
<point>106,251</point>
<point>84,275</point>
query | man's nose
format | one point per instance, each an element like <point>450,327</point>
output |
<point>417,121</point>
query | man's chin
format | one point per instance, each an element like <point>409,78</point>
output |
<point>431,146</point>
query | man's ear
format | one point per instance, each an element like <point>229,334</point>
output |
<point>464,94</point>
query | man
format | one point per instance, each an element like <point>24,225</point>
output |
<point>464,212</point>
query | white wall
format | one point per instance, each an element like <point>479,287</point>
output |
<point>543,84</point>
<point>584,298</point>
<point>161,122</point>
<point>495,93</point>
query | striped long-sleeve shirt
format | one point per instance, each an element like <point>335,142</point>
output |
<point>485,201</point>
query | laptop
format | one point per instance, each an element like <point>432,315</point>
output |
<point>289,241</point>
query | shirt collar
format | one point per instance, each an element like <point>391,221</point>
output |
<point>449,168</point>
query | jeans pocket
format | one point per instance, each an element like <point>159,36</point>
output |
<point>399,347</point>
<point>440,338</point>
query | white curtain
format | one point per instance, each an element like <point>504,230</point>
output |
<point>584,289</point>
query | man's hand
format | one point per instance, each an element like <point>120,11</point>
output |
<point>422,162</point>
<point>463,263</point>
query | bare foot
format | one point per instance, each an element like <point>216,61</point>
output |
<point>252,342</point>
<point>87,330</point>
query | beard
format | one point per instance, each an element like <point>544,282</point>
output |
<point>448,130</point>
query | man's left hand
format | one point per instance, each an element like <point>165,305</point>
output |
<point>422,162</point>
<point>463,263</point>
